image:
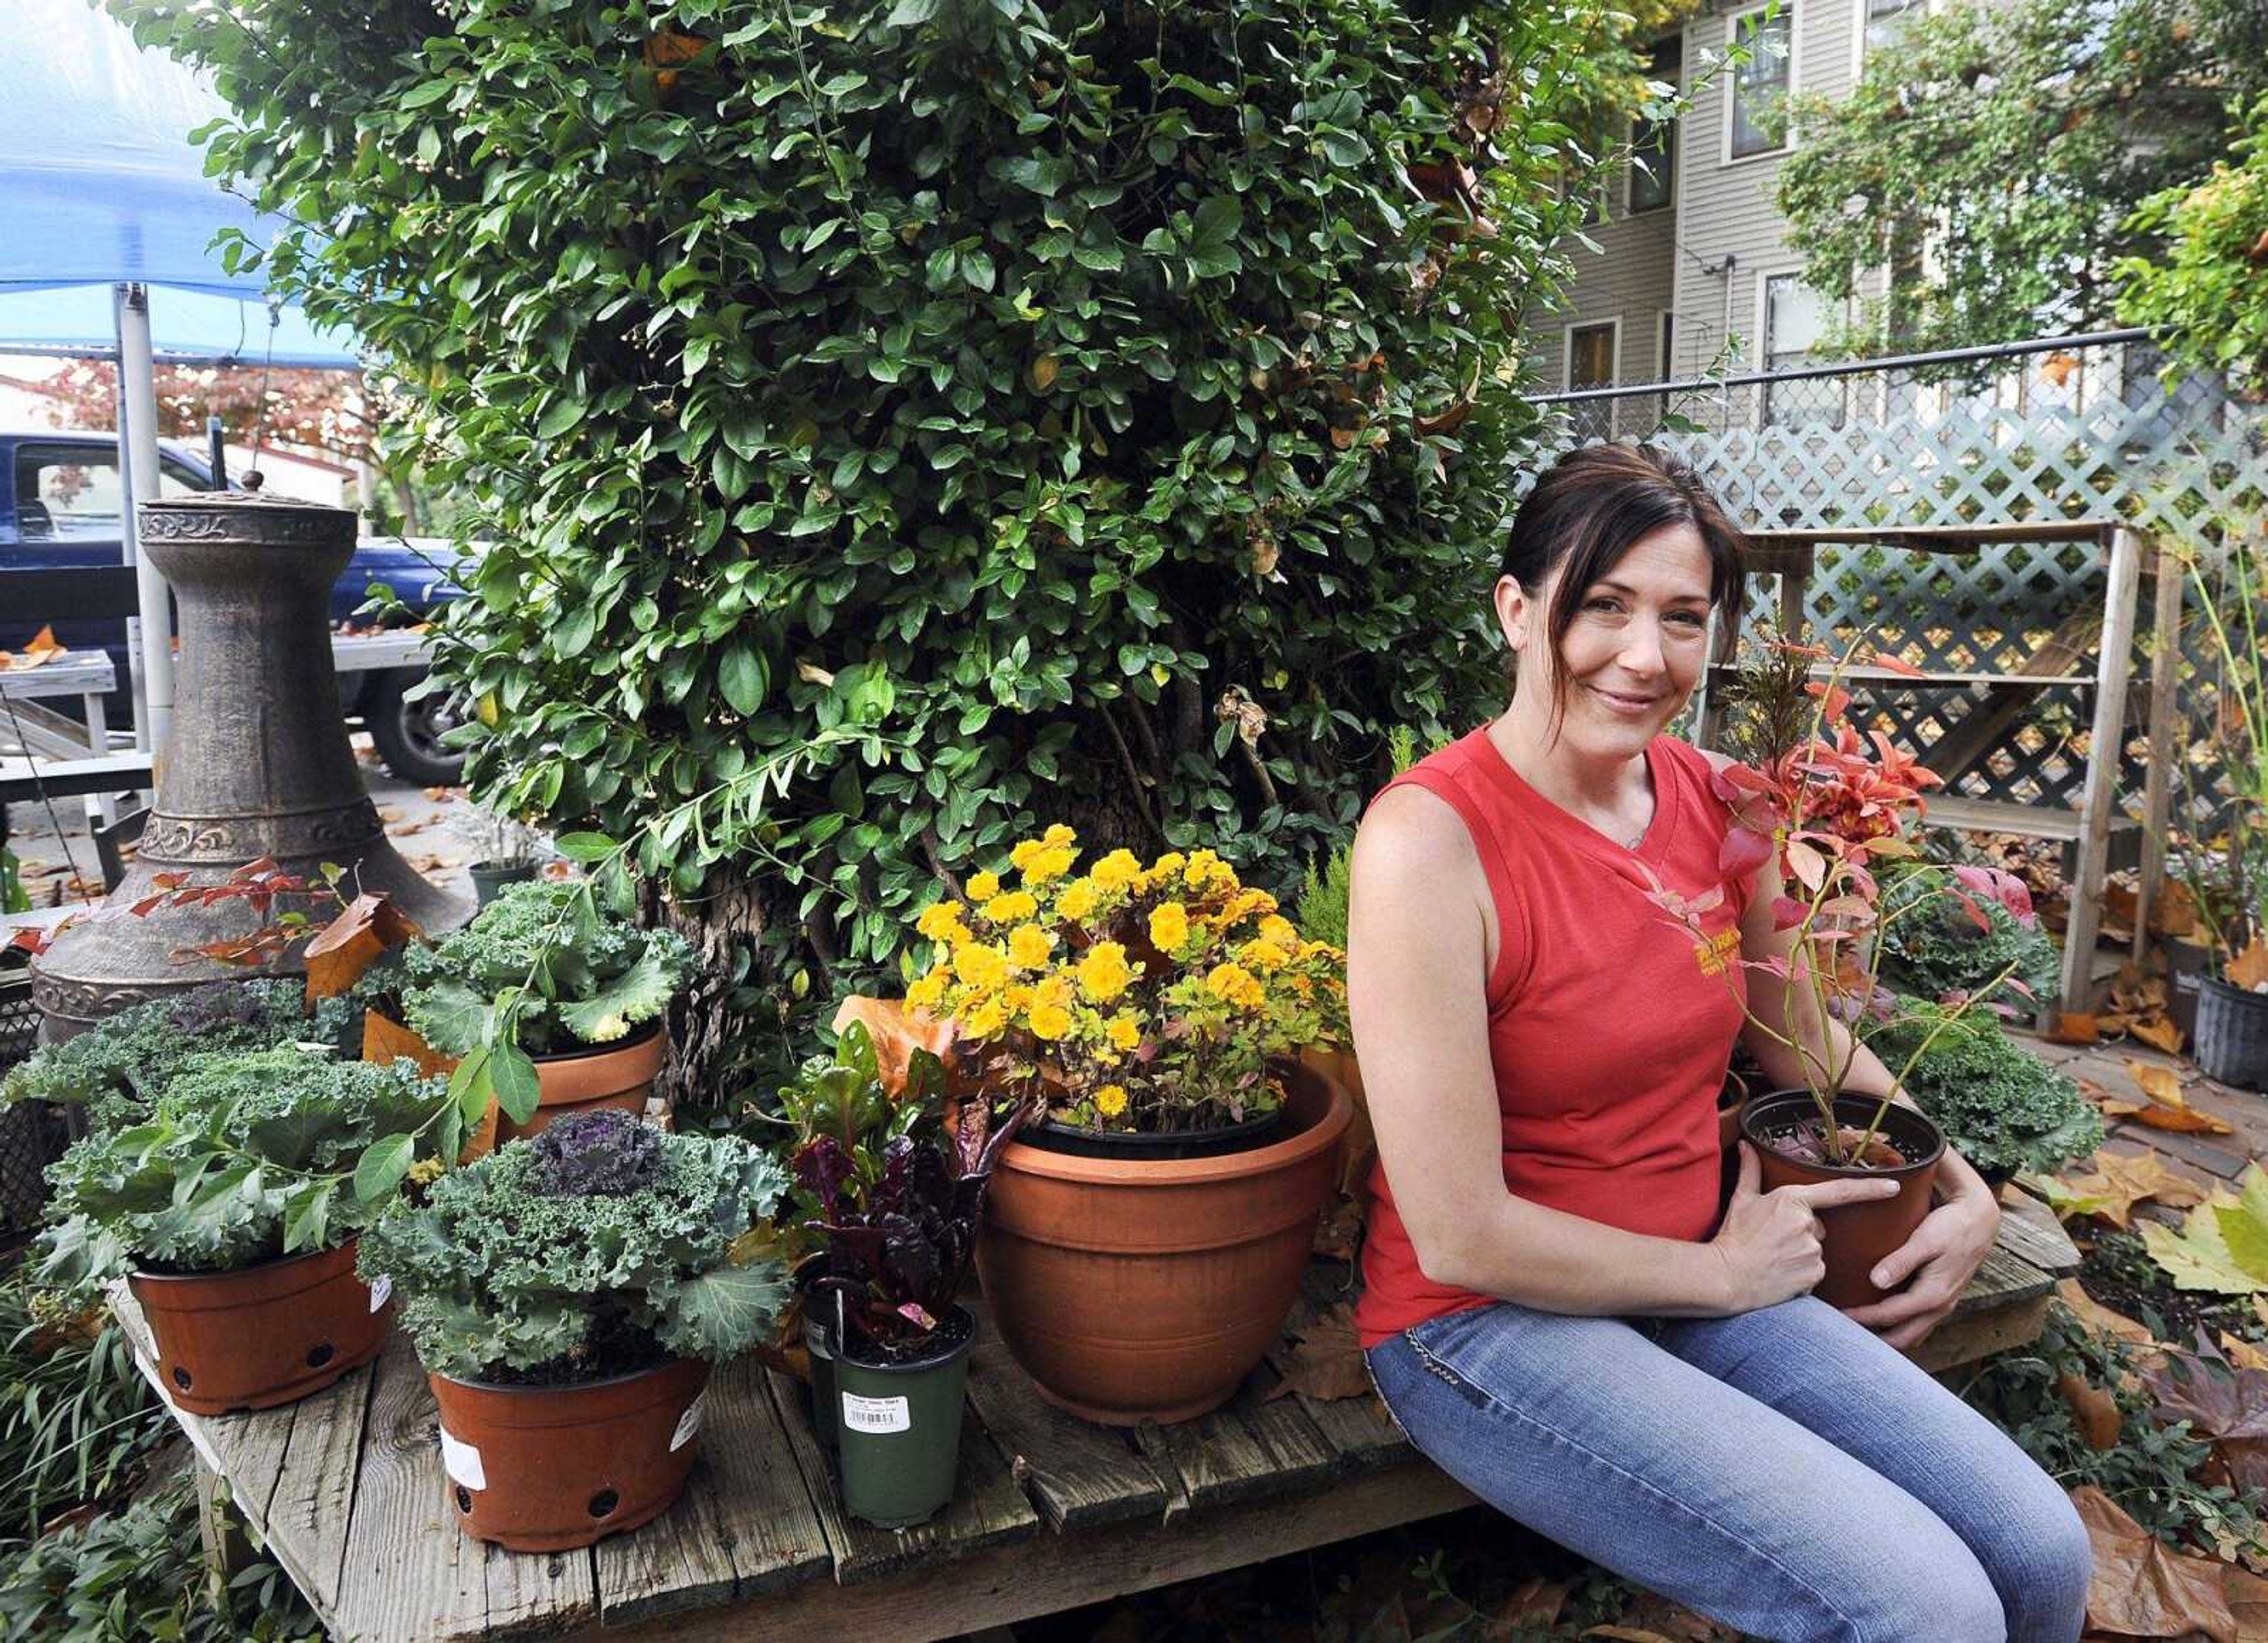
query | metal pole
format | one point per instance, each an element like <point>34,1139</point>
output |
<point>128,545</point>
<point>217,448</point>
<point>137,438</point>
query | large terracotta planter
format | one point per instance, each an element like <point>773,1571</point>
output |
<point>1147,1290</point>
<point>261,1335</point>
<point>585,1081</point>
<point>1359,1155</point>
<point>385,1039</point>
<point>547,1469</point>
<point>1855,1236</point>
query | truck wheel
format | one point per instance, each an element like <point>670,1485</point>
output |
<point>409,733</point>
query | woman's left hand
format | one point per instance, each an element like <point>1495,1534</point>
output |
<point>1941,1256</point>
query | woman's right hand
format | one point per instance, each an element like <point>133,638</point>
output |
<point>1770,1241</point>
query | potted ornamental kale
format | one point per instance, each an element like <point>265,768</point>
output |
<point>551,997</point>
<point>567,1295</point>
<point>232,1209</point>
<point>2007,1110</point>
<point>892,1184</point>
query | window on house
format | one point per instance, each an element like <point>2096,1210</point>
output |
<point>1591,364</point>
<point>1653,145</point>
<point>1760,86</point>
<point>1885,21</point>
<point>1795,321</point>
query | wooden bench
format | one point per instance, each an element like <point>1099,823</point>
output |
<point>346,1489</point>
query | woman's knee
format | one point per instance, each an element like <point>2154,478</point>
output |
<point>1924,1589</point>
<point>2041,1564</point>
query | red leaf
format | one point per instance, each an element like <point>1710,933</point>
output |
<point>1973,911</point>
<point>1787,912</point>
<point>1898,665</point>
<point>1743,851</point>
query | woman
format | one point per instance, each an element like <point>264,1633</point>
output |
<point>1555,1309</point>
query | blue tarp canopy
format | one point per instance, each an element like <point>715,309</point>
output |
<point>99,185</point>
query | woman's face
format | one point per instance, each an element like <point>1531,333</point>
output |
<point>1636,648</point>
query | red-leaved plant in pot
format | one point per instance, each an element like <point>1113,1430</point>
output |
<point>1830,805</point>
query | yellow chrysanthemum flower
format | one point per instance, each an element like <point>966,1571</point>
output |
<point>1046,865</point>
<point>1078,899</point>
<point>1059,836</point>
<point>1104,973</point>
<point>986,1019</point>
<point>984,887</point>
<point>981,966</point>
<point>1169,927</point>
<point>1028,947</point>
<point>1263,956</point>
<point>1011,908</point>
<point>1050,1021</point>
<point>1117,870</point>
<point>1125,1033</point>
<point>1110,1101</point>
<point>1167,864</point>
<point>929,991</point>
<point>1276,930</point>
<point>1020,858</point>
<point>1205,868</point>
<point>1054,992</point>
<point>939,920</point>
<point>1244,903</point>
<point>1235,984</point>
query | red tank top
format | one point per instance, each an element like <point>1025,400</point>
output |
<point>1608,1031</point>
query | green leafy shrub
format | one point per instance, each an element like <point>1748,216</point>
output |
<point>1032,399</point>
<point>1930,946</point>
<point>571,975</point>
<point>137,1576</point>
<point>598,1246</point>
<point>245,1158</point>
<point>120,1066</point>
<point>1322,913</point>
<point>2000,1105</point>
<point>76,1418</point>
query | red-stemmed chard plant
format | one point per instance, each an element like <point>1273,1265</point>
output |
<point>1830,804</point>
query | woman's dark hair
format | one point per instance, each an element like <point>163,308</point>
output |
<point>1589,507</point>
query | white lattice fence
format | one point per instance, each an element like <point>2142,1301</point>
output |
<point>2080,433</point>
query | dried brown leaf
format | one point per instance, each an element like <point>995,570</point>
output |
<point>897,1032</point>
<point>2160,1032</point>
<point>2092,1410</point>
<point>2101,1319</point>
<point>2250,969</point>
<point>2142,1588</point>
<point>365,930</point>
<point>2223,1403</point>
<point>1328,1364</point>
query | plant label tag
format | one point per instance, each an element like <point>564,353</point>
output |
<point>689,1424</point>
<point>462,1463</point>
<point>876,1414</point>
<point>380,1292</point>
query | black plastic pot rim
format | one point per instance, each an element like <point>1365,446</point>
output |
<point>516,1389</point>
<point>1804,1102</point>
<point>914,1366</point>
<point>585,1052</point>
<point>1051,1135</point>
<point>2235,993</point>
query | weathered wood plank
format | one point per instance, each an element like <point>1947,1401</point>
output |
<point>2002,1280</point>
<point>528,1593</point>
<point>1361,1433</point>
<point>745,1526</point>
<point>406,1573</point>
<point>1963,1339</point>
<point>307,1509</point>
<point>1058,1572</point>
<point>1079,1474</point>
<point>1245,1449</point>
<point>987,1508</point>
<point>2028,1228</point>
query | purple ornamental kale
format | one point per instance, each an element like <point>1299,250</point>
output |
<point>216,1008</point>
<point>606,1154</point>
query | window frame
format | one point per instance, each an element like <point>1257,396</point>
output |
<point>1732,93</point>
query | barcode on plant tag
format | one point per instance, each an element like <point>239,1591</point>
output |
<point>380,1292</point>
<point>876,1414</point>
<point>689,1424</point>
<point>462,1463</point>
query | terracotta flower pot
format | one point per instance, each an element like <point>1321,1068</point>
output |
<point>584,1080</point>
<point>1360,1153</point>
<point>548,1468</point>
<point>1136,1290</point>
<point>261,1335</point>
<point>1857,1235</point>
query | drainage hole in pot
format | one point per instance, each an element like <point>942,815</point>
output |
<point>181,1377</point>
<point>320,1356</point>
<point>464,1498</point>
<point>604,1502</point>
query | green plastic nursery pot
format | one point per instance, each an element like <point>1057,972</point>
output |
<point>551,1468</point>
<point>899,1427</point>
<point>489,880</point>
<point>1855,1235</point>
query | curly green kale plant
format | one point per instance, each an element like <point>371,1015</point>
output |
<point>570,971</point>
<point>2000,1105</point>
<point>1933,947</point>
<point>245,1158</point>
<point>597,1247</point>
<point>120,1066</point>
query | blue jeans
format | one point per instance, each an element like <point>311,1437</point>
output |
<point>1782,1472</point>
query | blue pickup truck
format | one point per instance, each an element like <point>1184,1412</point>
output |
<point>59,509</point>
